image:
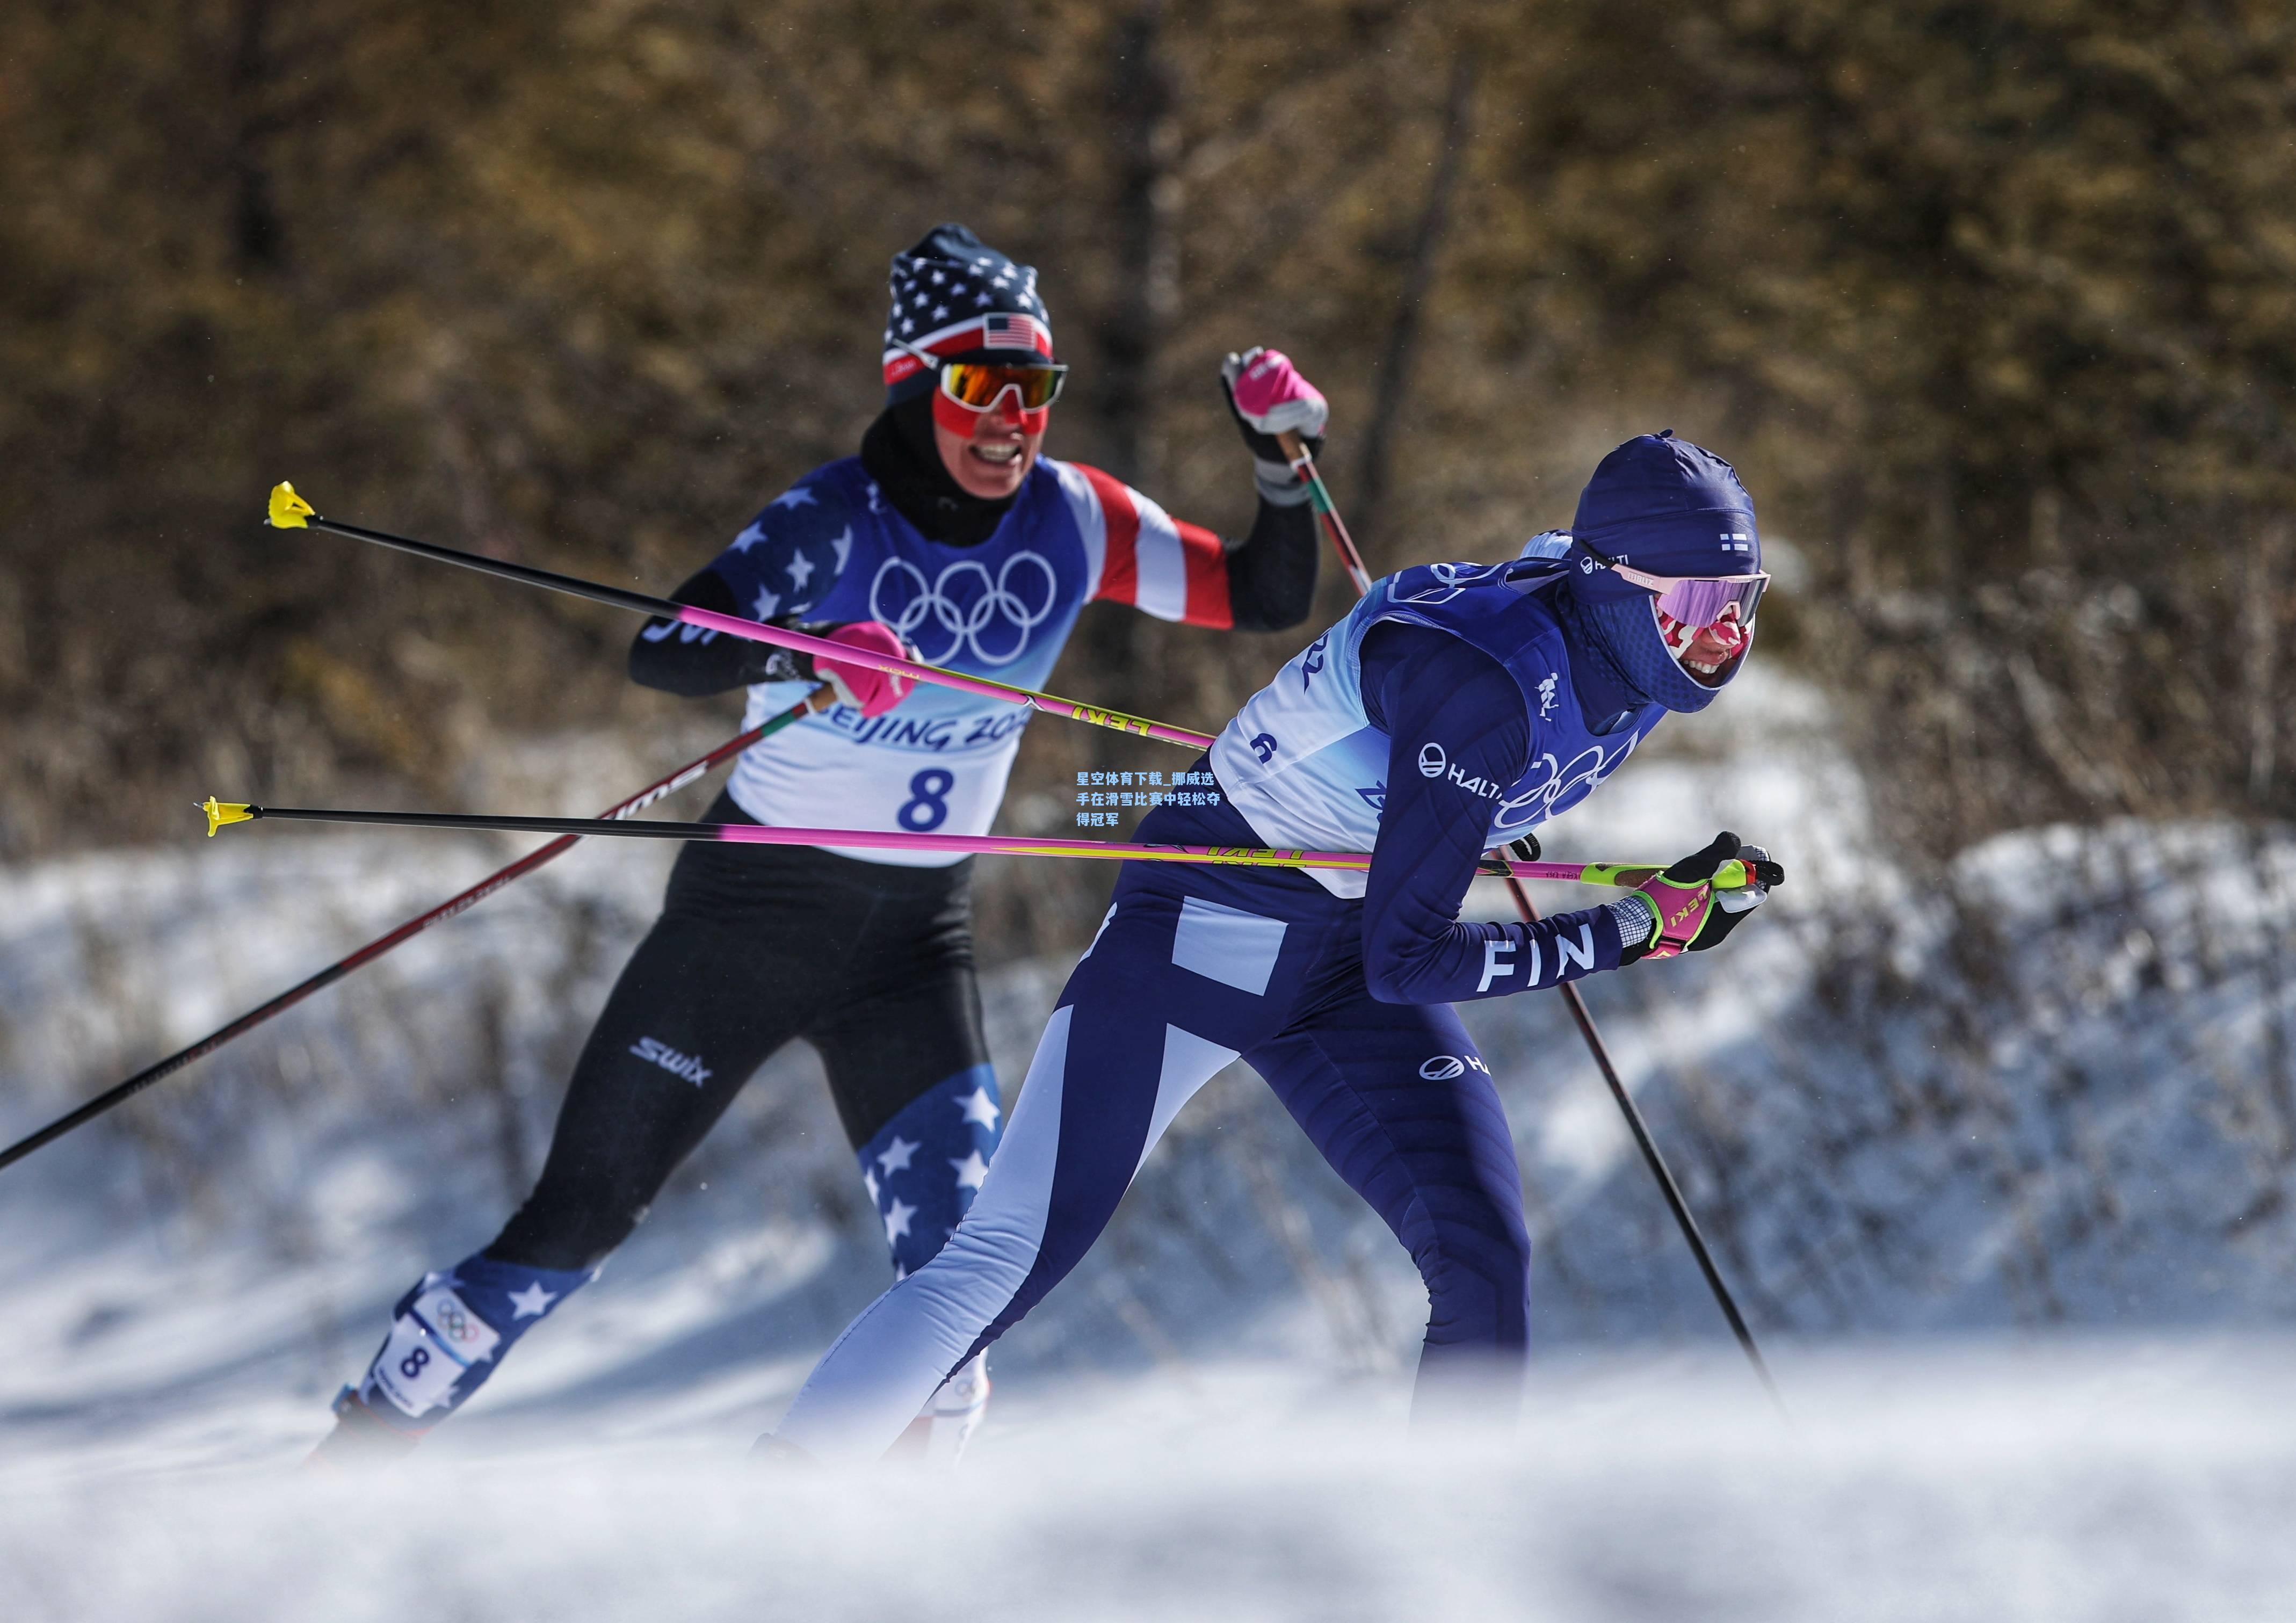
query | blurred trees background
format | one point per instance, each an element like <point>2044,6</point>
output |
<point>1991,302</point>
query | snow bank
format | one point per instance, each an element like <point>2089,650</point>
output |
<point>2076,1481</point>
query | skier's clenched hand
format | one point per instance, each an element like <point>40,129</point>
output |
<point>868,690</point>
<point>1693,913</point>
<point>1268,397</point>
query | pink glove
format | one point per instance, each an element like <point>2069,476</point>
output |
<point>868,690</point>
<point>1271,396</point>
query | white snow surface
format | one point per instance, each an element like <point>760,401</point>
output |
<point>1998,1158</point>
<point>2132,1480</point>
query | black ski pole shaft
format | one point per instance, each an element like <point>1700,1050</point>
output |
<point>1657,1163</point>
<point>523,573</point>
<point>289,511</point>
<point>117,1096</point>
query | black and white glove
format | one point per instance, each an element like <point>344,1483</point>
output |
<point>1270,397</point>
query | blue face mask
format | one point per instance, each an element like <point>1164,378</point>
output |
<point>1620,637</point>
<point>1618,661</point>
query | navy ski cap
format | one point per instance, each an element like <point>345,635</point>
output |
<point>958,298</point>
<point>1669,507</point>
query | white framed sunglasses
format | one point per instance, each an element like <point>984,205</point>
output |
<point>978,386</point>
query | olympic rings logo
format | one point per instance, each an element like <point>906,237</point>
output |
<point>454,1324</point>
<point>1587,769</point>
<point>985,616</point>
<point>1449,580</point>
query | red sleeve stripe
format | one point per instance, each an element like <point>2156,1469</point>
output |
<point>1119,570</point>
<point>1159,564</point>
<point>1206,561</point>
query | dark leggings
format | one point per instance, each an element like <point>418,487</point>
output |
<point>872,964</point>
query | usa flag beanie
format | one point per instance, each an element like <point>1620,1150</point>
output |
<point>954,295</point>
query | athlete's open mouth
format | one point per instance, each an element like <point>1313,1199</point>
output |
<point>1709,652</point>
<point>1001,455</point>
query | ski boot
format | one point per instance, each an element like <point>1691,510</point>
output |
<point>361,1439</point>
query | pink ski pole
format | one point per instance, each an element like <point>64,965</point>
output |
<point>221,814</point>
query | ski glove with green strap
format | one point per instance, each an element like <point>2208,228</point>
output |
<point>1686,911</point>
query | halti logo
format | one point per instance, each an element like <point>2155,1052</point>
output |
<point>1485,787</point>
<point>683,1065</point>
<point>1547,694</point>
<point>1449,1067</point>
<point>1432,760</point>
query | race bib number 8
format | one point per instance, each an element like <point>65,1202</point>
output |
<point>927,807</point>
<point>430,1347</point>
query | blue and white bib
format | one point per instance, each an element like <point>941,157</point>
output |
<point>1306,766</point>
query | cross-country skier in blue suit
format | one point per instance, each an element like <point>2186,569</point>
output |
<point>1458,706</point>
<point>951,534</point>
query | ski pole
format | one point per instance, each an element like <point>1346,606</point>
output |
<point>1601,1050</point>
<point>223,814</point>
<point>820,699</point>
<point>289,511</point>
<point>1305,464</point>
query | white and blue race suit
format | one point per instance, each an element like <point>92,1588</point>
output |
<point>1304,763</point>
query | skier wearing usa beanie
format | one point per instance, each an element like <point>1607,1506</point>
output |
<point>953,472</point>
<point>1662,506</point>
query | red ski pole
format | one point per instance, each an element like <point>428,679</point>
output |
<point>820,699</point>
<point>1303,464</point>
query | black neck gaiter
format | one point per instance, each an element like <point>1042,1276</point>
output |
<point>900,454</point>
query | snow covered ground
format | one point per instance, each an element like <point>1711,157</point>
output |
<point>2123,1481</point>
<point>1998,1160</point>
